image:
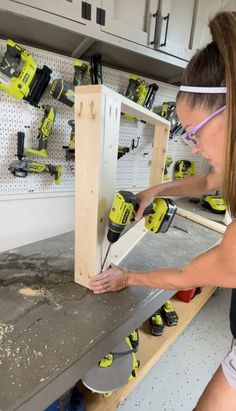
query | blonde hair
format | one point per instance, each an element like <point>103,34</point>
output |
<point>213,66</point>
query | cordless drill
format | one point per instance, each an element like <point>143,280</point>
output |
<point>158,215</point>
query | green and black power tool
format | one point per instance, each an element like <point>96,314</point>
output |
<point>70,149</point>
<point>44,131</point>
<point>27,82</point>
<point>158,215</point>
<point>139,92</point>
<point>81,74</point>
<point>169,161</point>
<point>24,165</point>
<point>184,168</point>
<point>214,203</point>
<point>64,91</point>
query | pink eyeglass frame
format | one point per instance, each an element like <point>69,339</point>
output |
<point>186,136</point>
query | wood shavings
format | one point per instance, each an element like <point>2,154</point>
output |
<point>41,292</point>
<point>5,329</point>
<point>30,292</point>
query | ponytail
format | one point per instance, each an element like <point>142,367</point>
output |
<point>215,66</point>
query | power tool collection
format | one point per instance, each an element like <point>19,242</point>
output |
<point>21,77</point>
<point>158,216</point>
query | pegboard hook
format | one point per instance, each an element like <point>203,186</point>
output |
<point>80,109</point>
<point>135,144</point>
<point>93,113</point>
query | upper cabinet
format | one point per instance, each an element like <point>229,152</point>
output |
<point>76,10</point>
<point>176,21</point>
<point>176,28</point>
<point>164,25</point>
<point>132,20</point>
<point>205,12</point>
<point>153,37</point>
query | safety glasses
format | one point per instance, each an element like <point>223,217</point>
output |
<point>190,137</point>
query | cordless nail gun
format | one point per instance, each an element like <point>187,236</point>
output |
<point>20,75</point>
<point>158,215</point>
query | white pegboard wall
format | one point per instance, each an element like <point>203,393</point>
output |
<point>134,168</point>
<point>16,115</point>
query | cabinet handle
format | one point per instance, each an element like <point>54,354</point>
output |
<point>157,31</point>
<point>167,17</point>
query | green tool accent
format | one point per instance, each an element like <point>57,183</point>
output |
<point>168,314</point>
<point>134,339</point>
<point>156,323</point>
<point>107,361</point>
<point>44,131</point>
<point>184,168</point>
<point>169,161</point>
<point>137,91</point>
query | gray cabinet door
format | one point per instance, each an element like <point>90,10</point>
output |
<point>206,11</point>
<point>177,24</point>
<point>70,9</point>
<point>133,20</point>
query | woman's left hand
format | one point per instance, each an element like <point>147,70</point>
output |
<point>114,279</point>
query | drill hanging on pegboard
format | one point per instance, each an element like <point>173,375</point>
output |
<point>64,91</point>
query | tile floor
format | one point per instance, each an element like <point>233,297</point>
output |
<point>178,379</point>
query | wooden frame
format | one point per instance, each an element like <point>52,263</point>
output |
<point>206,222</point>
<point>97,121</point>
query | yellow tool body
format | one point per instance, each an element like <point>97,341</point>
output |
<point>19,86</point>
<point>137,91</point>
<point>44,132</point>
<point>169,161</point>
<point>63,91</point>
<point>81,74</point>
<point>20,75</point>
<point>184,168</point>
<point>25,165</point>
<point>216,204</point>
<point>158,215</point>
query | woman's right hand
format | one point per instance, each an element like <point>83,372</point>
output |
<point>144,199</point>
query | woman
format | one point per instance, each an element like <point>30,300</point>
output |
<point>206,107</point>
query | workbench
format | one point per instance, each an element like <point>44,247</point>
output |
<point>52,330</point>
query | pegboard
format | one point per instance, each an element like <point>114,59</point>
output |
<point>18,115</point>
<point>133,169</point>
